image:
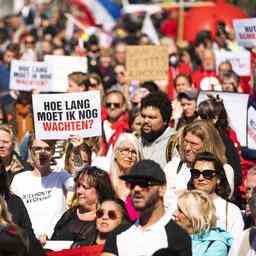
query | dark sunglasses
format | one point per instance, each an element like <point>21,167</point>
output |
<point>115,105</point>
<point>207,174</point>
<point>142,183</point>
<point>111,214</point>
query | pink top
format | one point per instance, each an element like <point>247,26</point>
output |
<point>133,214</point>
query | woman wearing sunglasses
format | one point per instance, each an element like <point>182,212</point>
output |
<point>92,186</point>
<point>196,214</point>
<point>208,175</point>
<point>110,215</point>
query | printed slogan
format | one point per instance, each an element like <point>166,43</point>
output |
<point>57,116</point>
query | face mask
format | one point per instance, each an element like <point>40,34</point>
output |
<point>173,60</point>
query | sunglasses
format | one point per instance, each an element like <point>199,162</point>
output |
<point>115,105</point>
<point>39,149</point>
<point>111,214</point>
<point>142,183</point>
<point>207,174</point>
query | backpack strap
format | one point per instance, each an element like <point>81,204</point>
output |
<point>226,220</point>
<point>179,166</point>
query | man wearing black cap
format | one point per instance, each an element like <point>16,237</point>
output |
<point>154,229</point>
<point>188,103</point>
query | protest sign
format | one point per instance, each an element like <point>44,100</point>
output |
<point>245,31</point>
<point>145,63</point>
<point>235,104</point>
<point>61,67</point>
<point>241,61</point>
<point>57,116</point>
<point>28,75</point>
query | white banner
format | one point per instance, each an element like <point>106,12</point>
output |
<point>241,61</point>
<point>61,67</point>
<point>245,31</point>
<point>28,75</point>
<point>57,116</point>
<point>236,107</point>
<point>252,128</point>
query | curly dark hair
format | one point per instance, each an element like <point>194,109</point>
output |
<point>223,188</point>
<point>161,101</point>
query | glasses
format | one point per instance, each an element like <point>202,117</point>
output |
<point>40,149</point>
<point>119,73</point>
<point>111,214</point>
<point>207,174</point>
<point>127,151</point>
<point>192,144</point>
<point>114,104</point>
<point>142,183</point>
<point>93,85</point>
<point>29,42</point>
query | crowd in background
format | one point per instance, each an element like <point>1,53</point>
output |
<point>200,184</point>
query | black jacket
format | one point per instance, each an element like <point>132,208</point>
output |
<point>21,218</point>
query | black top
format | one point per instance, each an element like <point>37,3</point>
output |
<point>21,218</point>
<point>232,157</point>
<point>11,243</point>
<point>71,228</point>
<point>178,241</point>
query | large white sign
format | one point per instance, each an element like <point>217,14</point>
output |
<point>241,61</point>
<point>29,75</point>
<point>236,106</point>
<point>62,66</point>
<point>245,31</point>
<point>57,116</point>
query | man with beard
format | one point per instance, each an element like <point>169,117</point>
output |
<point>156,111</point>
<point>43,191</point>
<point>154,229</point>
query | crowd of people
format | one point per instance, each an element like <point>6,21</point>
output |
<point>168,176</point>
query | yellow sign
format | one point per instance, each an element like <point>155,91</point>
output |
<point>145,63</point>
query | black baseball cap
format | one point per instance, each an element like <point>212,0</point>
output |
<point>190,95</point>
<point>146,170</point>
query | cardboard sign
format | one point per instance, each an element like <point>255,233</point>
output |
<point>235,104</point>
<point>28,75</point>
<point>57,116</point>
<point>61,67</point>
<point>145,63</point>
<point>241,61</point>
<point>245,31</point>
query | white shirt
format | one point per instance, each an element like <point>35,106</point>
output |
<point>44,197</point>
<point>230,220</point>
<point>143,242</point>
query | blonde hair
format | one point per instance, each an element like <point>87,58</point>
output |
<point>5,128</point>
<point>212,142</point>
<point>199,209</point>
<point>115,171</point>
